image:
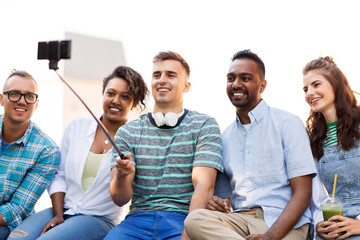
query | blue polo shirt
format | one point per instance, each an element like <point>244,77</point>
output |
<point>260,158</point>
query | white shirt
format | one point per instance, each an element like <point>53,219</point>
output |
<point>74,148</point>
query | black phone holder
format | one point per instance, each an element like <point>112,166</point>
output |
<point>54,51</point>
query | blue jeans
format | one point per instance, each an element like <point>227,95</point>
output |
<point>4,232</point>
<point>75,227</point>
<point>151,225</point>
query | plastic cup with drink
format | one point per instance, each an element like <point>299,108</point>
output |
<point>332,206</point>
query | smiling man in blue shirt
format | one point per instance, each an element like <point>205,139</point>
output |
<point>28,157</point>
<point>268,167</point>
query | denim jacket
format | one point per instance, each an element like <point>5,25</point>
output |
<point>346,164</point>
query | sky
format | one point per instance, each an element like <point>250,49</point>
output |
<point>285,34</point>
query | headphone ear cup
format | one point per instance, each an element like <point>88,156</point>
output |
<point>171,119</point>
<point>159,119</point>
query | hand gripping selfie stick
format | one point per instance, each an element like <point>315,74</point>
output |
<point>56,50</point>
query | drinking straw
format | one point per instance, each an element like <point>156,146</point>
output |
<point>333,192</point>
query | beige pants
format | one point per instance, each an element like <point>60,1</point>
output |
<point>203,224</point>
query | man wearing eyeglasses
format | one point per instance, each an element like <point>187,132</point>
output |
<point>28,157</point>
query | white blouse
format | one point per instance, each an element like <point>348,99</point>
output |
<point>74,148</point>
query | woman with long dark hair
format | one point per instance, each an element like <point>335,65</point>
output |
<point>333,127</point>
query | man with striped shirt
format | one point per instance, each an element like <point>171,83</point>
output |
<point>172,158</point>
<point>28,157</point>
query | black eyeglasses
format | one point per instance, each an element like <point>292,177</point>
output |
<point>15,96</point>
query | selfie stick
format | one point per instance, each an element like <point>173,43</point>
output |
<point>101,125</point>
<point>56,50</point>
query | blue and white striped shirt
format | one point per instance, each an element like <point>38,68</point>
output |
<point>26,168</point>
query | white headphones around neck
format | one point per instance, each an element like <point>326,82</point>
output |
<point>170,119</point>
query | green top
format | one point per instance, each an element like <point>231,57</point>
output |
<point>331,135</point>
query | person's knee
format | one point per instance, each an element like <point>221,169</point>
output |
<point>18,234</point>
<point>195,218</point>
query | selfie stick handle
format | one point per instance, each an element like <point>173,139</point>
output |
<point>102,127</point>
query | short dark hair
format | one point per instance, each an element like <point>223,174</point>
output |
<point>169,55</point>
<point>248,54</point>
<point>137,86</point>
